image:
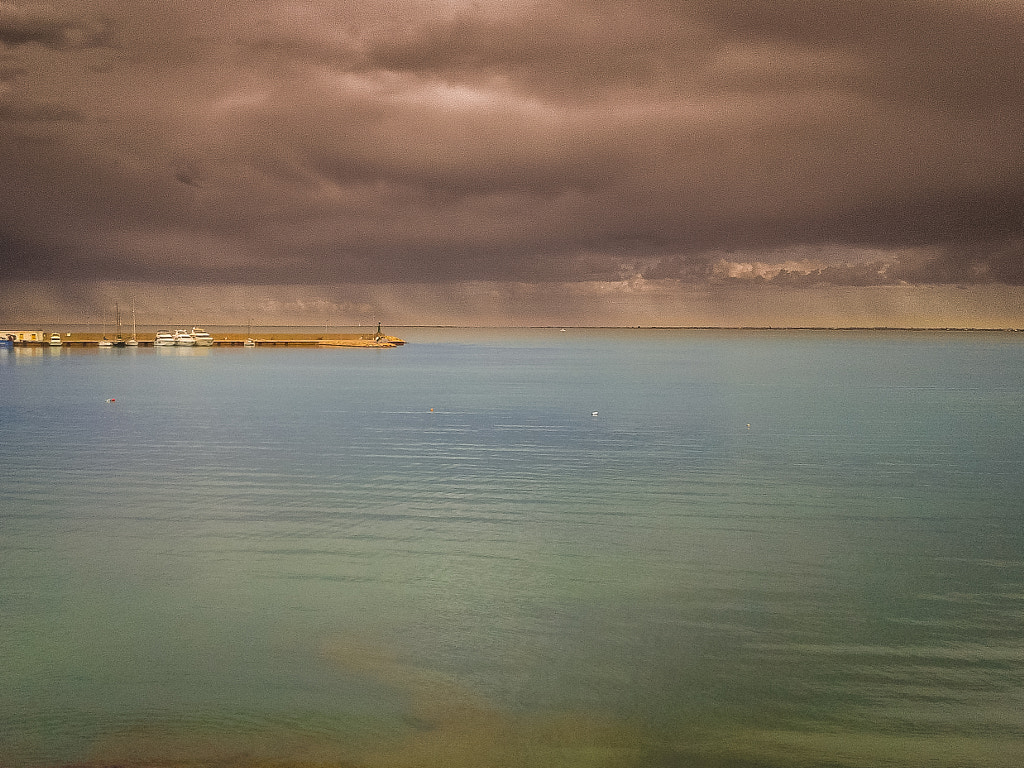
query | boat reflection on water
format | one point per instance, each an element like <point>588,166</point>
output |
<point>192,351</point>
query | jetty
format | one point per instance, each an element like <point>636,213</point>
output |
<point>341,340</point>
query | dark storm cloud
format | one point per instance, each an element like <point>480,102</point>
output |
<point>12,111</point>
<point>22,24</point>
<point>930,54</point>
<point>699,142</point>
<point>576,52</point>
<point>698,126</point>
<point>969,264</point>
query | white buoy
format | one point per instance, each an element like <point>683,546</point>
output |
<point>594,413</point>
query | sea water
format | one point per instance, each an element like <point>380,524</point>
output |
<point>516,548</point>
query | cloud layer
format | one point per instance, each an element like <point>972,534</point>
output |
<point>712,142</point>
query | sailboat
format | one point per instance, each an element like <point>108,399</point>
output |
<point>133,341</point>
<point>118,340</point>
<point>105,342</point>
<point>249,340</point>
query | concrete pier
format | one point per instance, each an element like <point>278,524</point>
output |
<point>359,340</point>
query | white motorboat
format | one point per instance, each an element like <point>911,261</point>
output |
<point>201,337</point>
<point>163,339</point>
<point>183,338</point>
<point>55,340</point>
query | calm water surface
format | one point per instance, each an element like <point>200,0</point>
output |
<point>763,549</point>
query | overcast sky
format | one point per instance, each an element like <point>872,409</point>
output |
<point>829,162</point>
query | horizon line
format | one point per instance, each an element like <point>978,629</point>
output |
<point>39,326</point>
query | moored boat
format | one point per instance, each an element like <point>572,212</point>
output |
<point>119,340</point>
<point>201,337</point>
<point>55,340</point>
<point>133,341</point>
<point>163,339</point>
<point>183,338</point>
<point>249,340</point>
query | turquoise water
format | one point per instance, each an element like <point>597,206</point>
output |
<point>765,549</point>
